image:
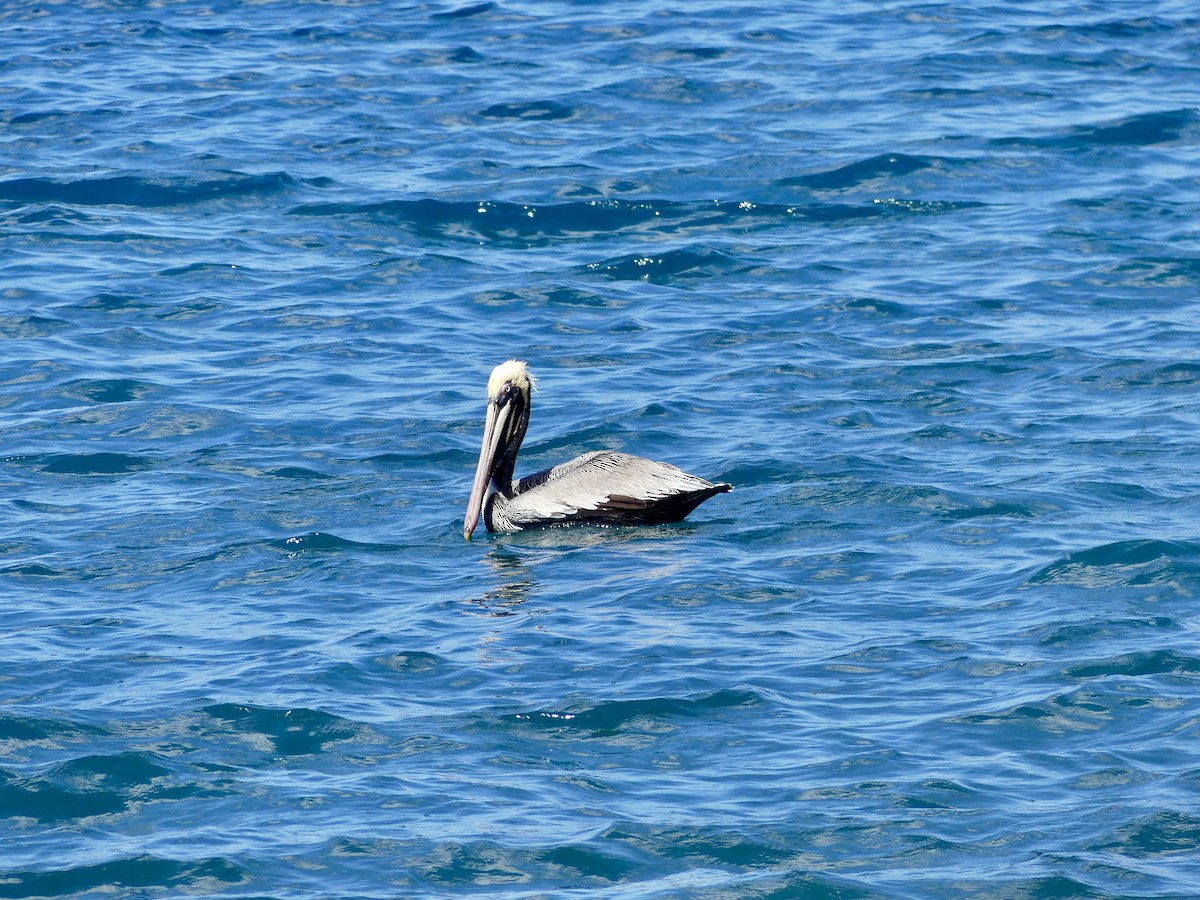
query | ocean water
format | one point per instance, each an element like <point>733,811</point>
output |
<point>922,280</point>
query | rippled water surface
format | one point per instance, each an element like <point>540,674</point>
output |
<point>920,280</point>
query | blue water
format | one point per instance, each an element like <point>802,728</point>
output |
<point>921,280</point>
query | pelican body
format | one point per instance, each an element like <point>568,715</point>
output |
<point>599,488</point>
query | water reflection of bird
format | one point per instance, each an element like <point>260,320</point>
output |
<point>599,488</point>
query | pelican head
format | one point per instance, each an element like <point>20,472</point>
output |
<point>509,390</point>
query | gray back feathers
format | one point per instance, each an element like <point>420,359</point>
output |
<point>602,487</point>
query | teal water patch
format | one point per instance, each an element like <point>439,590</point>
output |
<point>133,873</point>
<point>1136,562</point>
<point>125,190</point>
<point>289,732</point>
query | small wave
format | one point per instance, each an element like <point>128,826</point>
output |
<point>450,458</point>
<point>432,56</point>
<point>939,793</point>
<point>1159,834</point>
<point>888,309</point>
<point>668,266</point>
<point>95,785</point>
<point>1138,131</point>
<point>535,111</point>
<point>465,55</point>
<point>94,463</point>
<point>469,864</point>
<point>614,716</point>
<point>412,662</point>
<point>731,862</point>
<point>20,327</point>
<point>1131,563</point>
<point>537,224</point>
<point>300,473</point>
<point>925,207</point>
<point>502,219</point>
<point>122,772</point>
<point>58,215</point>
<point>1040,886</point>
<point>37,117</point>
<point>886,165</point>
<point>1152,662</point>
<point>207,270</point>
<point>760,471</point>
<point>1148,273</point>
<point>109,390</point>
<point>136,191</point>
<point>290,732</point>
<point>87,786</point>
<point>589,862</point>
<point>1122,29</point>
<point>33,570</point>
<point>1175,375</point>
<point>43,801</point>
<point>28,728</point>
<point>294,547</point>
<point>921,499</point>
<point>1071,633</point>
<point>464,12</point>
<point>152,873</point>
<point>1064,713</point>
<point>322,541</point>
<point>995,508</point>
<point>1143,130</point>
<point>114,302</point>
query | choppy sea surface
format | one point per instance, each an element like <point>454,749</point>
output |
<point>922,280</point>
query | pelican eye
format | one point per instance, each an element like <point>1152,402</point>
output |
<point>509,391</point>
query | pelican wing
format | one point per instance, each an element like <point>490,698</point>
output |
<point>601,488</point>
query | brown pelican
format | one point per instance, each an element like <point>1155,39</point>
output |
<point>598,488</point>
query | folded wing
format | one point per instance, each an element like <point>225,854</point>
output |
<point>603,488</point>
